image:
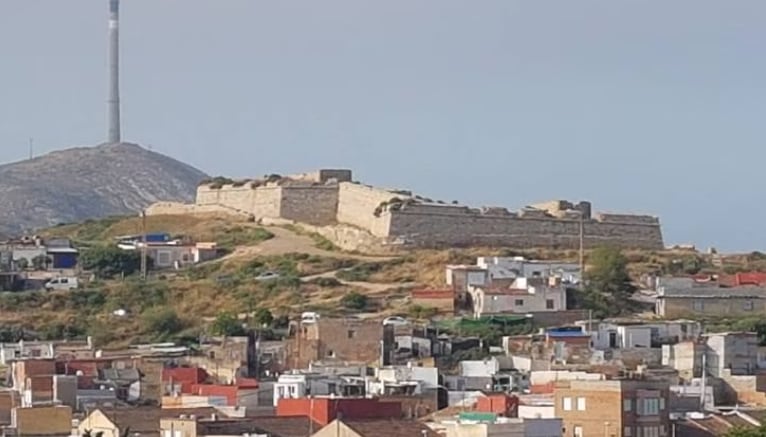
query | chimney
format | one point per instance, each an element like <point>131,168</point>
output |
<point>113,102</point>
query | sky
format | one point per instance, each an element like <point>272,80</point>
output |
<point>638,106</point>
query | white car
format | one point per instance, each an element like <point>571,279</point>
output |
<point>62,283</point>
<point>309,317</point>
<point>395,321</point>
<point>266,276</point>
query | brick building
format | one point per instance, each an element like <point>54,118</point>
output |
<point>613,408</point>
<point>325,410</point>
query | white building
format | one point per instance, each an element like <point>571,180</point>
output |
<point>518,267</point>
<point>639,334</point>
<point>524,296</point>
<point>502,427</point>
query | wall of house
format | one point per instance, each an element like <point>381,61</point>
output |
<point>96,422</point>
<point>679,306</point>
<point>439,225</point>
<point>312,204</point>
<point>54,420</point>
<point>186,427</point>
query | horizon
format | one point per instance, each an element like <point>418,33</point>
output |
<point>501,103</point>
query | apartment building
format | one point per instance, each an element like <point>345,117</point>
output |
<point>613,408</point>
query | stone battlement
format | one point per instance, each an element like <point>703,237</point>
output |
<point>328,197</point>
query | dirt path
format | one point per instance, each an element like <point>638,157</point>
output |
<point>286,241</point>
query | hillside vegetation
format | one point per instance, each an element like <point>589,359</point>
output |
<point>313,276</point>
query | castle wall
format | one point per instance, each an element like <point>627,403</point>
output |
<point>356,206</point>
<point>458,226</point>
<point>313,204</point>
<point>263,201</point>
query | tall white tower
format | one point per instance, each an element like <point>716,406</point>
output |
<point>113,103</point>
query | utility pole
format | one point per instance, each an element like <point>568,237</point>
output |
<point>143,245</point>
<point>582,245</point>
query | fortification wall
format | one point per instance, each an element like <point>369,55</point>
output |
<point>431,225</point>
<point>176,208</point>
<point>262,201</point>
<point>357,204</point>
<point>313,204</point>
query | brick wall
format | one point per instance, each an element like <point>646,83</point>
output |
<point>43,420</point>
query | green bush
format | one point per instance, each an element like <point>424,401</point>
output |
<point>162,323</point>
<point>263,317</point>
<point>242,235</point>
<point>354,301</point>
<point>227,324</point>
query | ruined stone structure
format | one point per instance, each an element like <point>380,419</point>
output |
<point>329,197</point>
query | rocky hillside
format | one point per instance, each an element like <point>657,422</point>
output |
<point>89,182</point>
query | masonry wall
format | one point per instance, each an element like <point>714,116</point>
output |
<point>678,307</point>
<point>264,201</point>
<point>436,225</point>
<point>312,204</point>
<point>357,204</point>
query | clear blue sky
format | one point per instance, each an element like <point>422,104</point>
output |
<point>639,106</point>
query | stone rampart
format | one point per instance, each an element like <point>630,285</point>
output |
<point>430,225</point>
<point>176,208</point>
<point>357,205</point>
<point>313,204</point>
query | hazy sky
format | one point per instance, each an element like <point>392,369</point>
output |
<point>638,106</point>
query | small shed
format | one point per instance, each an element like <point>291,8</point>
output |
<point>63,257</point>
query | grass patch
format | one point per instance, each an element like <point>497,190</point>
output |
<point>230,238</point>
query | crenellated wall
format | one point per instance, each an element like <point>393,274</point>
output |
<point>325,198</point>
<point>436,225</point>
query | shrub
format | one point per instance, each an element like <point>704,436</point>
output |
<point>110,261</point>
<point>354,301</point>
<point>421,312</point>
<point>359,273</point>
<point>227,324</point>
<point>162,322</point>
<point>263,317</point>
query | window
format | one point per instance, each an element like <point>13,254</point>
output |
<point>648,407</point>
<point>578,431</point>
<point>567,404</point>
<point>626,431</point>
<point>662,404</point>
<point>651,431</point>
<point>748,305</point>
<point>627,404</point>
<point>177,433</point>
<point>331,353</point>
<point>580,404</point>
<point>519,302</point>
<point>351,333</point>
<point>549,304</point>
<point>699,305</point>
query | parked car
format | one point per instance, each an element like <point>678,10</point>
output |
<point>62,283</point>
<point>309,317</point>
<point>395,321</point>
<point>266,276</point>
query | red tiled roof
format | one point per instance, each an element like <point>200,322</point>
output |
<point>433,294</point>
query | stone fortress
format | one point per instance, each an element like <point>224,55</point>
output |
<point>329,198</point>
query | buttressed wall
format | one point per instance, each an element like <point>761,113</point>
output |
<point>328,197</point>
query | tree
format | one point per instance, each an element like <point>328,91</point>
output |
<point>354,301</point>
<point>608,272</point>
<point>41,262</point>
<point>110,261</point>
<point>420,312</point>
<point>263,317</point>
<point>227,324</point>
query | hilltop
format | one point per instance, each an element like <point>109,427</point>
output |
<point>89,182</point>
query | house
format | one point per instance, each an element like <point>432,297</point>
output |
<point>682,297</point>
<point>725,353</point>
<point>525,296</point>
<point>297,385</point>
<point>366,341</point>
<point>348,427</point>
<point>613,407</point>
<point>517,267</point>
<point>461,277</point>
<point>627,334</point>
<point>52,420</point>
<point>200,426</point>
<point>443,301</point>
<point>471,424</point>
<point>324,410</point>
<point>140,421</point>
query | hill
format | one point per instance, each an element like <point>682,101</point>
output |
<point>89,182</point>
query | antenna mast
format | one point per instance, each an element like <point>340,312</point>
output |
<point>113,102</point>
